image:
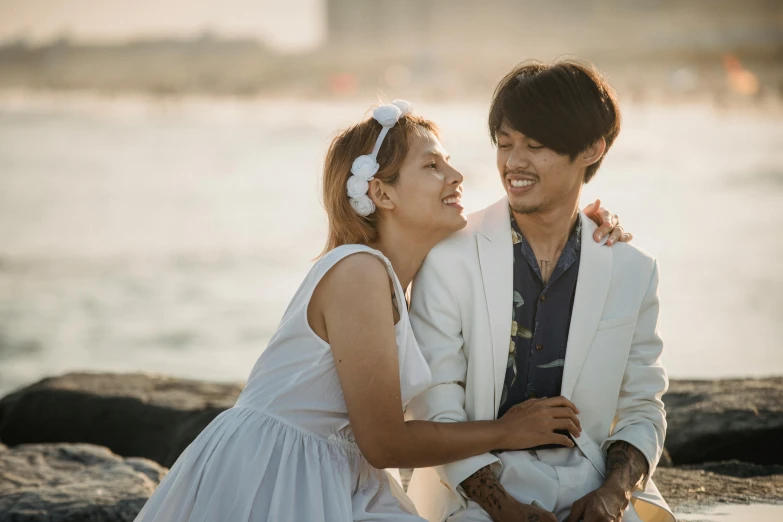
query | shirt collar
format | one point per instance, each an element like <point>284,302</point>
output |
<point>570,252</point>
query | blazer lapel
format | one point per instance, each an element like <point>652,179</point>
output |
<point>496,257</point>
<point>592,287</point>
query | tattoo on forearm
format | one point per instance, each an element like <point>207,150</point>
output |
<point>484,488</point>
<point>625,464</point>
<point>533,518</point>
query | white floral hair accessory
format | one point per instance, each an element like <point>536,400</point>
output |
<point>366,166</point>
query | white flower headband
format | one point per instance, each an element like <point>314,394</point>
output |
<point>365,167</point>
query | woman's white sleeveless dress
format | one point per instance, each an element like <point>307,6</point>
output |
<point>285,451</point>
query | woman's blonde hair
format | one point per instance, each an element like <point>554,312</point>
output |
<point>345,225</point>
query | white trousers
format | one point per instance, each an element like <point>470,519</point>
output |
<point>551,479</point>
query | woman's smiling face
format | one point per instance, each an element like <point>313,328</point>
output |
<point>427,196</point>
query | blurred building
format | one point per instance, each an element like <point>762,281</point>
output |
<point>622,27</point>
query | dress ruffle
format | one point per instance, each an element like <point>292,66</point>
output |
<point>249,466</point>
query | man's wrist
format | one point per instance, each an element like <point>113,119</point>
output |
<point>618,487</point>
<point>626,467</point>
<point>484,488</point>
<point>504,508</point>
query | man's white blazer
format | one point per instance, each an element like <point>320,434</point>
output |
<point>461,315</point>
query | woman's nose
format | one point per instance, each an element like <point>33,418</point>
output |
<point>455,176</point>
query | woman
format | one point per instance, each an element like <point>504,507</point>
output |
<point>322,412</point>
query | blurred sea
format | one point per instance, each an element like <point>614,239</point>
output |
<point>168,235</point>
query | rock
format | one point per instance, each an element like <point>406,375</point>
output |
<point>725,419</point>
<point>686,488</point>
<point>736,468</point>
<point>157,417</point>
<point>73,482</point>
<point>134,415</point>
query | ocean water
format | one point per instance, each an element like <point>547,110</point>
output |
<point>168,235</point>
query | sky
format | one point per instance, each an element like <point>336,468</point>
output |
<point>287,25</point>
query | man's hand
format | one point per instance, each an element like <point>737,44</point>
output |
<point>484,488</point>
<point>605,504</point>
<point>625,468</point>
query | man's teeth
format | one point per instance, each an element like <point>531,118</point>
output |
<point>521,182</point>
<point>449,201</point>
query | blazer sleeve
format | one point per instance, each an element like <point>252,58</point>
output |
<point>436,321</point>
<point>641,419</point>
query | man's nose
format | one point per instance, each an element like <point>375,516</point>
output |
<point>517,159</point>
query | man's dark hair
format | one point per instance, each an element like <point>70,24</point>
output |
<point>566,106</point>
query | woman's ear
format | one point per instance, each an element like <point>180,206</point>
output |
<point>594,152</point>
<point>381,194</point>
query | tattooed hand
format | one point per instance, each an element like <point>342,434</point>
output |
<point>601,505</point>
<point>484,488</point>
<point>625,468</point>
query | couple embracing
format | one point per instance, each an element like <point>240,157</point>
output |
<point>524,379</point>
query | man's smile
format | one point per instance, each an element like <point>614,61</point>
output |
<point>518,185</point>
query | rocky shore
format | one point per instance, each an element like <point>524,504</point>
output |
<point>94,446</point>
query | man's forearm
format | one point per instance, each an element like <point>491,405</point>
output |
<point>626,466</point>
<point>484,488</point>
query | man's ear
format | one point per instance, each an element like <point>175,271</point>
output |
<point>594,152</point>
<point>381,194</point>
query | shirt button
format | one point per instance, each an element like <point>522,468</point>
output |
<point>542,298</point>
<point>532,395</point>
<point>539,347</point>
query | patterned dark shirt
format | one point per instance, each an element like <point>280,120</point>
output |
<point>541,318</point>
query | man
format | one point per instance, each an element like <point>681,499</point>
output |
<point>522,309</point>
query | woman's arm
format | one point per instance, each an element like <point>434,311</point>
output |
<point>355,303</point>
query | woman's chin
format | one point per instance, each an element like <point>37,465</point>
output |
<point>439,229</point>
<point>456,224</point>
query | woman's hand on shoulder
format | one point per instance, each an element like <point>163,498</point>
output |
<point>608,224</point>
